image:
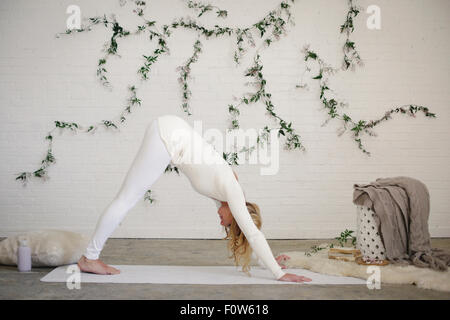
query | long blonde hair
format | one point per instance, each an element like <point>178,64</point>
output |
<point>238,244</point>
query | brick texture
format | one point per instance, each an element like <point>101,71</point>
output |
<point>43,79</point>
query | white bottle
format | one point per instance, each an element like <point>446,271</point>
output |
<point>24,256</point>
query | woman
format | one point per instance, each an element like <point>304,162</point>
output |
<point>170,139</point>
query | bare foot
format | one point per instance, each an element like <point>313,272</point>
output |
<point>95,266</point>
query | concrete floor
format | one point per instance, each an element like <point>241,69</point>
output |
<point>15,285</point>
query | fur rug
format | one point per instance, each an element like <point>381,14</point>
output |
<point>48,247</point>
<point>425,278</point>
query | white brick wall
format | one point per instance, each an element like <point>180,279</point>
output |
<point>43,79</point>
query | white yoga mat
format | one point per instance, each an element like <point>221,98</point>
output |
<point>191,275</point>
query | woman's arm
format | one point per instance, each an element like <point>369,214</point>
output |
<point>236,202</point>
<point>256,239</point>
<point>261,264</point>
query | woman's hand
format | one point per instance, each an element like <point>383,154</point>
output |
<point>290,277</point>
<point>281,259</point>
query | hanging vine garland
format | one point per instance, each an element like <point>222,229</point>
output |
<point>274,17</point>
<point>351,55</point>
<point>118,31</point>
<point>331,104</point>
<point>74,127</point>
<point>185,71</point>
<point>202,7</point>
<point>285,129</point>
<point>273,25</point>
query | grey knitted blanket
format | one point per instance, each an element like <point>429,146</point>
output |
<point>402,208</point>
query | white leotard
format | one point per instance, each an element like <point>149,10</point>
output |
<point>210,175</point>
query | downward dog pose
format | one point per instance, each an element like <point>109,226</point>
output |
<point>170,139</point>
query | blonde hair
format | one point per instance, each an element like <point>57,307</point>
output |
<point>238,244</point>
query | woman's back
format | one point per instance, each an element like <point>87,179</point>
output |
<point>205,168</point>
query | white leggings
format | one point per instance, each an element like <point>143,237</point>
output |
<point>149,164</point>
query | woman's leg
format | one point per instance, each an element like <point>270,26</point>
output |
<point>148,165</point>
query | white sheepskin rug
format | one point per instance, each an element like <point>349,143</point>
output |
<point>393,274</point>
<point>48,247</point>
